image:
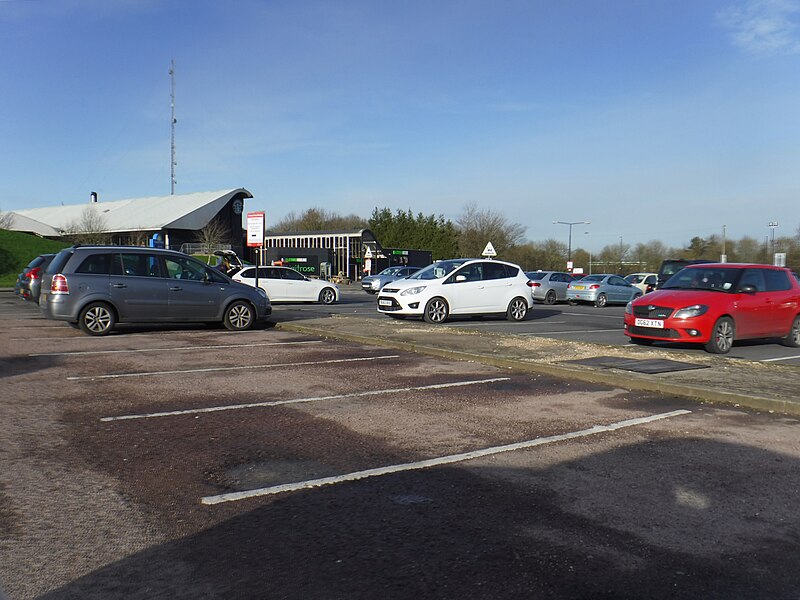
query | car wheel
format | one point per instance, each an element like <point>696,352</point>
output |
<point>327,296</point>
<point>793,339</point>
<point>641,341</point>
<point>517,309</point>
<point>722,336</point>
<point>601,301</point>
<point>436,310</point>
<point>239,316</point>
<point>97,318</point>
<point>550,297</point>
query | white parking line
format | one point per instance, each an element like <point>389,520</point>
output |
<point>566,314</point>
<point>194,411</point>
<point>236,368</point>
<point>569,332</point>
<point>83,352</point>
<point>797,357</point>
<point>435,462</point>
<point>496,323</point>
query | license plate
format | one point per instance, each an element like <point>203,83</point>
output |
<point>652,323</point>
<point>385,302</point>
<point>578,287</point>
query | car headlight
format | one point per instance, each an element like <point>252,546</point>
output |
<point>375,283</point>
<point>412,291</point>
<point>691,311</point>
<point>629,308</point>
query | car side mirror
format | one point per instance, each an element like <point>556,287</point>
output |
<point>748,289</point>
<point>460,278</point>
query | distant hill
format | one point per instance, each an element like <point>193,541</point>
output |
<point>18,249</point>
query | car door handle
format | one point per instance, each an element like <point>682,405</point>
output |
<point>118,285</point>
<point>176,288</point>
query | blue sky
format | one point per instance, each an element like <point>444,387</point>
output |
<point>653,119</point>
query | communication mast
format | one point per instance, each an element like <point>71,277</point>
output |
<point>173,120</point>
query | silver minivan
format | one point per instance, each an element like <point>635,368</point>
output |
<point>96,287</point>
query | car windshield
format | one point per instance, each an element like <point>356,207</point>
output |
<point>390,271</point>
<point>593,278</point>
<point>719,279</point>
<point>439,269</point>
<point>636,278</point>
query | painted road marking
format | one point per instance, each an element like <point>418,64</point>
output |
<point>568,314</point>
<point>82,352</point>
<point>569,332</point>
<point>435,462</point>
<point>194,411</point>
<point>234,368</point>
<point>781,358</point>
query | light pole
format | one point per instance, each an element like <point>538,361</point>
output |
<point>772,225</point>
<point>569,246</point>
<point>590,255</point>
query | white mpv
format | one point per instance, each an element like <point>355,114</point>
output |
<point>463,286</point>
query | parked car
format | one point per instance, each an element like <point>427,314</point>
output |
<point>602,289</point>
<point>96,287</point>
<point>372,284</point>
<point>644,281</point>
<point>284,284</point>
<point>459,287</point>
<point>548,286</point>
<point>716,304</point>
<point>29,282</point>
<point>671,266</point>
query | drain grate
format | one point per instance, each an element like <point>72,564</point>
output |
<point>647,366</point>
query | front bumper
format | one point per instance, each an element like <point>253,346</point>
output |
<point>674,330</point>
<point>400,305</point>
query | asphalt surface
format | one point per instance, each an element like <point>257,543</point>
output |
<point>192,462</point>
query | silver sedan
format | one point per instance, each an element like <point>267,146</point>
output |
<point>602,290</point>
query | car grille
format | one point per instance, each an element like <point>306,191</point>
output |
<point>667,334</point>
<point>652,312</point>
<point>391,290</point>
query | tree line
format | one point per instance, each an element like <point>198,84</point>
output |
<point>468,235</point>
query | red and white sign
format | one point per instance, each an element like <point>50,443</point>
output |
<point>255,229</point>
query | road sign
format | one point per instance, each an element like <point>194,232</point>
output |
<point>255,229</point>
<point>489,252</point>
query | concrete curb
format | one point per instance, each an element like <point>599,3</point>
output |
<point>624,380</point>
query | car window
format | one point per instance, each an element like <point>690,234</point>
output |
<point>438,269</point>
<point>291,274</point>
<point>473,272</point>
<point>185,269</point>
<point>754,277</point>
<point>535,276</point>
<point>60,261</point>
<point>650,280</point>
<point>618,281</point>
<point>251,273</point>
<point>492,270</point>
<point>140,265</point>
<point>98,264</point>
<point>777,281</point>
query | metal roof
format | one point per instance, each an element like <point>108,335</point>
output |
<point>180,211</point>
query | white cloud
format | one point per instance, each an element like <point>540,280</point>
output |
<point>763,26</point>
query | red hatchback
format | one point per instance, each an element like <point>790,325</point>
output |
<point>715,304</point>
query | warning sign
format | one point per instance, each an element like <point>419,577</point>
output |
<point>489,252</point>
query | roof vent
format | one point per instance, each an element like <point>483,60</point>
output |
<point>93,197</point>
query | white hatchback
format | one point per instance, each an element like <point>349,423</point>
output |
<point>283,284</point>
<point>463,286</point>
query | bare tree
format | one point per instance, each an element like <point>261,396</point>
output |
<point>478,227</point>
<point>213,235</point>
<point>90,228</point>
<point>319,219</point>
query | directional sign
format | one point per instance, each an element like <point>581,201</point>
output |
<point>489,252</point>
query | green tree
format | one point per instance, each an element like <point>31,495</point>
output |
<point>319,219</point>
<point>402,229</point>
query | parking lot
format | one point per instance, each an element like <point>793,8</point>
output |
<point>192,462</point>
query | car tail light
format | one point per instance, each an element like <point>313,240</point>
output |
<point>59,285</point>
<point>533,284</point>
<point>594,287</point>
<point>34,273</point>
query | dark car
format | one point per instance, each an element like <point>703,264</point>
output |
<point>96,287</point>
<point>716,304</point>
<point>29,282</point>
<point>671,266</point>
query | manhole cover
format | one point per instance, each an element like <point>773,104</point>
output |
<point>647,366</point>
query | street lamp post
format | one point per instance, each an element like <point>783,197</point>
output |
<point>772,225</point>
<point>570,223</point>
